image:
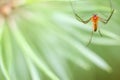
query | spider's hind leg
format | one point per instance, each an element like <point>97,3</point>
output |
<point>90,40</point>
<point>99,31</point>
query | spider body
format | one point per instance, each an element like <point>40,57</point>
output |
<point>95,20</point>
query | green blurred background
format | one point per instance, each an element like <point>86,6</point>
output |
<point>42,40</point>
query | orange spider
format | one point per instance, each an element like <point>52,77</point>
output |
<point>94,19</point>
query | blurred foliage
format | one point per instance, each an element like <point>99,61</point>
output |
<point>42,40</point>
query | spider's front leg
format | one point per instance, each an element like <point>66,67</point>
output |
<point>105,21</point>
<point>80,19</point>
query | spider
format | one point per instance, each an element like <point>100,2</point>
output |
<point>94,19</point>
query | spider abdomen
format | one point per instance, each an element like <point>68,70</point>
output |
<point>95,27</point>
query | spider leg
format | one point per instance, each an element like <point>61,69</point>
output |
<point>78,17</point>
<point>106,21</point>
<point>90,40</point>
<point>112,11</point>
<point>100,32</point>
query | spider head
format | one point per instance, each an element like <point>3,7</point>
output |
<point>95,17</point>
